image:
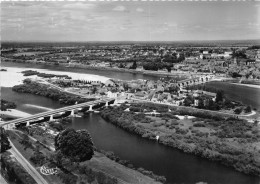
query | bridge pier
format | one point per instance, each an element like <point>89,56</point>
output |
<point>48,116</point>
<point>90,108</point>
<point>115,102</point>
<point>51,118</point>
<point>72,113</point>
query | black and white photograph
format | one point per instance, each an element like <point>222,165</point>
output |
<point>130,92</point>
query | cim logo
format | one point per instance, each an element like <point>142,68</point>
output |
<point>48,171</point>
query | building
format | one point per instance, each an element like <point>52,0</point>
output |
<point>110,83</point>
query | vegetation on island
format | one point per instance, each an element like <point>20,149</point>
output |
<point>230,141</point>
<point>44,75</point>
<point>7,105</point>
<point>155,66</point>
<point>32,87</point>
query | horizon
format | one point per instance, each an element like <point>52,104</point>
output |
<point>129,21</point>
<point>61,41</point>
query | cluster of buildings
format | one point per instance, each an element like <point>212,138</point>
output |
<point>160,91</point>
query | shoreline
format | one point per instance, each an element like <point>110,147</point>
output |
<point>144,72</point>
<point>14,113</point>
<point>38,107</point>
<point>145,133</point>
<point>247,85</point>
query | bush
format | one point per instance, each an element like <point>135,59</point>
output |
<point>199,124</point>
<point>238,110</point>
<point>54,94</point>
<point>248,109</point>
<point>15,171</point>
<point>68,178</point>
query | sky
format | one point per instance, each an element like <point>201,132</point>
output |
<point>129,21</point>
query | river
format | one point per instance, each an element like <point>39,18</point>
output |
<point>247,95</point>
<point>106,73</point>
<point>177,166</point>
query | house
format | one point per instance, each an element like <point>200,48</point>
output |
<point>250,62</point>
<point>196,102</point>
<point>112,95</point>
<point>140,94</point>
<point>213,95</point>
<point>110,83</point>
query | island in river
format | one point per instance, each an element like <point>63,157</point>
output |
<point>230,141</point>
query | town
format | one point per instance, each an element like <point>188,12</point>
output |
<point>233,61</point>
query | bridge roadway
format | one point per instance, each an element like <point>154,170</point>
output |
<point>56,111</point>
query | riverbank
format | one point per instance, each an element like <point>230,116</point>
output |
<point>14,113</point>
<point>181,74</point>
<point>221,141</point>
<point>247,85</point>
<point>99,163</point>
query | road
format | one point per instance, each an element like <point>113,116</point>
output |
<point>27,166</point>
<point>2,180</point>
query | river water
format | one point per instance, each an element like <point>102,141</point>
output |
<point>109,74</point>
<point>178,167</point>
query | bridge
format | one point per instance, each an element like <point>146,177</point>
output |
<point>49,115</point>
<point>195,81</point>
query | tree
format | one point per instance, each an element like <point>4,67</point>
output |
<point>121,65</point>
<point>76,145</point>
<point>38,158</point>
<point>235,75</point>
<point>238,110</point>
<point>4,142</point>
<point>248,109</point>
<point>94,90</point>
<point>200,104</point>
<point>219,96</point>
<point>26,142</point>
<point>134,66</point>
<point>188,101</point>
